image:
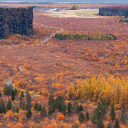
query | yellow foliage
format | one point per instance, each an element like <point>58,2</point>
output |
<point>20,120</point>
<point>38,79</point>
<point>32,124</point>
<point>8,114</point>
<point>27,66</point>
<point>44,92</point>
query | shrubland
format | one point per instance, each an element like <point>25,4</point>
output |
<point>66,83</point>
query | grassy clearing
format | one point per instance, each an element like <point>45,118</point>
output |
<point>87,12</point>
<point>84,13</point>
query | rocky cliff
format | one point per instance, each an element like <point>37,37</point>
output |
<point>114,11</point>
<point>16,21</point>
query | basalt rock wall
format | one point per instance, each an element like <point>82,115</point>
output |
<point>114,11</point>
<point>16,21</point>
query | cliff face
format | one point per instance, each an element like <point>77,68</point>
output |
<point>113,11</point>
<point>16,21</point>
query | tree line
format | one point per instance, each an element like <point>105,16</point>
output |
<point>85,37</point>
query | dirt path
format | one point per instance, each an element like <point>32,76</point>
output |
<point>52,35</point>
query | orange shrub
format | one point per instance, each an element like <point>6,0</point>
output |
<point>18,125</point>
<point>49,126</point>
<point>60,117</point>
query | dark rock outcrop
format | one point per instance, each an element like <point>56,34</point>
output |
<point>16,21</point>
<point>114,11</point>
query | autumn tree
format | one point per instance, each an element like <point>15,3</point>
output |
<point>0,93</point>
<point>112,113</point>
<point>9,105</point>
<point>43,112</point>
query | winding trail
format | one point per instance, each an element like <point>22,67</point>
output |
<point>9,82</point>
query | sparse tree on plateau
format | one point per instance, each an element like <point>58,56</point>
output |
<point>75,126</point>
<point>112,113</point>
<point>87,115</point>
<point>81,108</point>
<point>81,117</point>
<point>100,124</point>
<point>101,109</point>
<point>74,7</point>
<point>43,112</point>
<point>29,113</point>
<point>39,108</point>
<point>28,96</point>
<point>96,116</point>
<point>13,95</point>
<point>17,110</point>
<point>2,107</point>
<point>69,108</point>
<point>77,108</point>
<point>21,95</point>
<point>123,115</point>
<point>36,106</point>
<point>51,104</point>
<point>60,104</point>
<point>116,124</point>
<point>7,90</point>
<point>9,105</point>
<point>109,126</point>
